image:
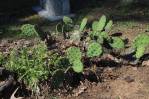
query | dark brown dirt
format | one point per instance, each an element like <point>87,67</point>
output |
<point>131,83</point>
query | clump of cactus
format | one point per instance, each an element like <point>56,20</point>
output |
<point>28,30</point>
<point>101,28</point>
<point>140,43</point>
<point>74,55</point>
<point>76,34</point>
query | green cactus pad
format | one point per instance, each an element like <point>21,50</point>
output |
<point>94,49</point>
<point>139,52</point>
<point>109,26</point>
<point>73,53</point>
<point>95,26</point>
<point>117,43</point>
<point>101,23</point>
<point>77,66</point>
<point>83,24</point>
<point>141,40</point>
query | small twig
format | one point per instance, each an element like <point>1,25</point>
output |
<point>7,83</point>
<point>1,70</point>
<point>13,95</point>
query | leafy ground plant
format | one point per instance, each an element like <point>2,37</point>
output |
<point>29,64</point>
<point>28,30</point>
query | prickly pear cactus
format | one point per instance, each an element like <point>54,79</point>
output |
<point>101,23</point>
<point>100,28</point>
<point>109,26</point>
<point>140,44</point>
<point>104,34</point>
<point>94,49</point>
<point>77,66</point>
<point>95,26</point>
<point>73,53</point>
<point>83,24</point>
<point>74,56</point>
<point>141,40</point>
<point>139,52</point>
<point>117,43</point>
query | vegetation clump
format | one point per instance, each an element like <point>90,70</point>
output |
<point>28,30</point>
<point>82,46</point>
<point>29,64</point>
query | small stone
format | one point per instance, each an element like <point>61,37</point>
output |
<point>135,68</point>
<point>129,79</point>
<point>145,63</point>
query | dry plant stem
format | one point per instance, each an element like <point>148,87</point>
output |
<point>7,83</point>
<point>13,95</point>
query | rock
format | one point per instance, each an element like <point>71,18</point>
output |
<point>145,63</point>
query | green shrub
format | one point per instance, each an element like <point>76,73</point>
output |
<point>28,30</point>
<point>94,49</point>
<point>29,64</point>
